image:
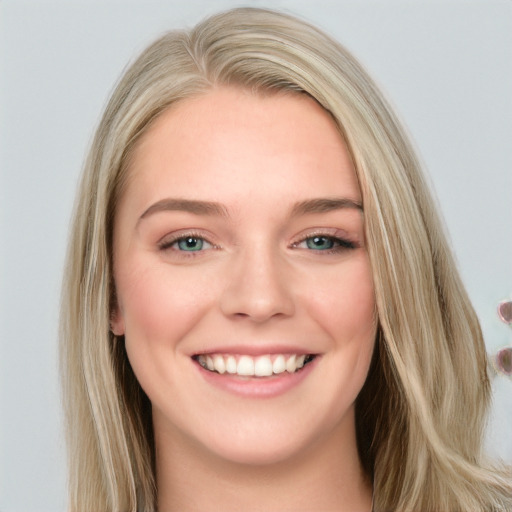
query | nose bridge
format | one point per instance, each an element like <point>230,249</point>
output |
<point>257,286</point>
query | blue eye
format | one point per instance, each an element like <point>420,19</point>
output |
<point>326,244</point>
<point>190,244</point>
<point>185,244</point>
<point>320,243</point>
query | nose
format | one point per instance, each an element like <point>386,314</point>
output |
<point>258,287</point>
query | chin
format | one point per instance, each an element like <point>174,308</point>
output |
<point>258,452</point>
<point>265,441</point>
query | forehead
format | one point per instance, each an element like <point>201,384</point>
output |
<point>246,140</point>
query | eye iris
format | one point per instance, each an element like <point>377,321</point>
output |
<point>320,242</point>
<point>190,244</point>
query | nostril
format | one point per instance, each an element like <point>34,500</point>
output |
<point>257,292</point>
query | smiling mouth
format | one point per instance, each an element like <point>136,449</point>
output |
<point>248,366</point>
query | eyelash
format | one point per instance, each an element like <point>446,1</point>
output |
<point>167,244</point>
<point>339,244</point>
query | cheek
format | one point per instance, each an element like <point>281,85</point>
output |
<point>159,306</point>
<point>345,303</point>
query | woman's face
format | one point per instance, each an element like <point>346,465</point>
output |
<point>243,284</point>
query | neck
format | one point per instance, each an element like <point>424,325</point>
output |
<point>321,478</point>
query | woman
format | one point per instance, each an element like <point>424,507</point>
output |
<point>236,332</point>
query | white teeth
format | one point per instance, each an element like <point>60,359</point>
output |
<point>231,364</point>
<point>247,366</point>
<point>291,364</point>
<point>279,365</point>
<point>219,364</point>
<point>263,367</point>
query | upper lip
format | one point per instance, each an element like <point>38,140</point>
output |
<point>254,350</point>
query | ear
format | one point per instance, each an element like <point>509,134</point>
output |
<point>117,321</point>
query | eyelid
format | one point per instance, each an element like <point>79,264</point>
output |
<point>327,232</point>
<point>171,238</point>
<point>344,241</point>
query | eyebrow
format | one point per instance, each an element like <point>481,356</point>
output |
<point>309,206</point>
<point>186,205</point>
<point>323,205</point>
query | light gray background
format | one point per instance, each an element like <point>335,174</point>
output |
<point>446,65</point>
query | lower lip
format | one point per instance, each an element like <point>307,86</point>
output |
<point>258,387</point>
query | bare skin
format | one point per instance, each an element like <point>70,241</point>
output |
<point>240,236</point>
<point>319,480</point>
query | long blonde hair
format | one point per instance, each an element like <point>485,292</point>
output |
<point>421,414</point>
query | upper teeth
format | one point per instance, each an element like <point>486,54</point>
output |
<point>261,366</point>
